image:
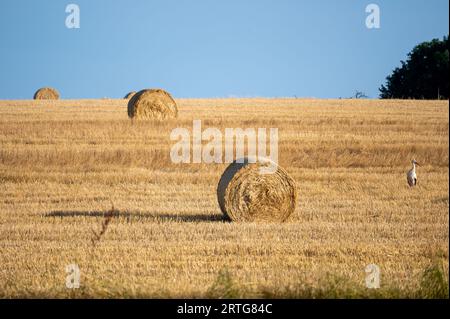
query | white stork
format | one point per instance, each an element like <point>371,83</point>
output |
<point>411,175</point>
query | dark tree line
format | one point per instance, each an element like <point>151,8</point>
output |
<point>424,75</point>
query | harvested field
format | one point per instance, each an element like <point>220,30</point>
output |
<point>65,163</point>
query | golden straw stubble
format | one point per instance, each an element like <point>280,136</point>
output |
<point>152,104</point>
<point>246,195</point>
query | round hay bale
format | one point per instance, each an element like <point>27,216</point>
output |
<point>246,195</point>
<point>152,104</point>
<point>46,94</point>
<point>129,95</point>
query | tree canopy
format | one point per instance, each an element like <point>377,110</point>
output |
<point>424,75</point>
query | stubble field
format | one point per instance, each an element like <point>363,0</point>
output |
<point>64,164</point>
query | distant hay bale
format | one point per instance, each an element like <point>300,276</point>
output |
<point>46,94</point>
<point>246,195</point>
<point>152,104</point>
<point>129,95</point>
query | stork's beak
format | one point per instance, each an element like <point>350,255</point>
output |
<point>417,164</point>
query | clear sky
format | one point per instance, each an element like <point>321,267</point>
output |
<point>209,48</point>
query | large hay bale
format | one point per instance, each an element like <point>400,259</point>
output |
<point>152,104</point>
<point>245,194</point>
<point>129,95</point>
<point>46,94</point>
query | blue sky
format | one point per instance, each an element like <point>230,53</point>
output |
<point>205,48</point>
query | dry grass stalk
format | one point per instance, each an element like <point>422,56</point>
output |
<point>97,236</point>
